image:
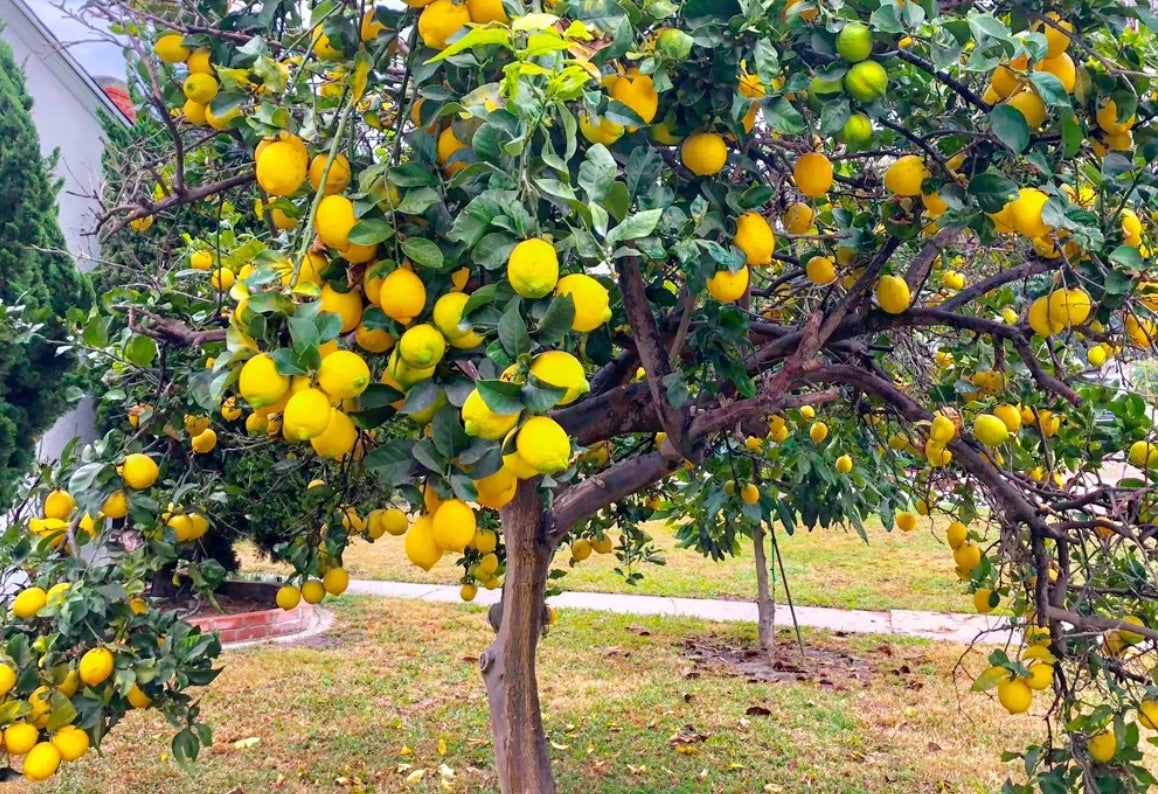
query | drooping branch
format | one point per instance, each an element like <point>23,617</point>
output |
<point>145,207</point>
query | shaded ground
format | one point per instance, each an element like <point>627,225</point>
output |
<point>830,568</point>
<point>392,694</point>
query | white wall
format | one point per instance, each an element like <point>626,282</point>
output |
<point>65,103</point>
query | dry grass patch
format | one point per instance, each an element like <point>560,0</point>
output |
<point>392,693</point>
<point>830,568</point>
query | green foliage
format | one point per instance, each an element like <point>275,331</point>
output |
<point>36,274</point>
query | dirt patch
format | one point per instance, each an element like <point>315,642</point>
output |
<point>827,667</point>
<point>229,605</point>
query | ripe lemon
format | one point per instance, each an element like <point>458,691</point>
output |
<point>194,112</point>
<point>394,521</point>
<point>813,173</point>
<point>544,445</point>
<point>468,592</point>
<point>306,415</point>
<point>1015,695</point>
<point>71,742</point>
<point>935,206</point>
<point>288,597</point>
<point>967,556</point>
<point>1040,676</point>
<point>1062,67</point>
<point>59,504</point>
<point>728,287</point>
<point>592,301</point>
<point>637,92</point>
<point>1039,318</point>
<point>454,525</point>
<point>338,439</point>
<point>844,464</point>
<point>956,535</point>
<point>1102,746</point>
<point>820,270</point>
<point>981,601</point>
<point>420,546</point>
<point>704,153</point>
<point>1029,104</point>
<point>904,177</point>
<point>563,371</point>
<point>204,442</point>
<point>323,47</point>
<point>313,592</point>
<point>334,220</point>
<point>422,346</point>
<point>139,471</point>
<point>484,11</point>
<point>1069,307</point>
<point>1143,455</point>
<point>892,294</point>
<point>95,666</point>
<point>447,145</point>
<point>854,43</point>
<point>201,88</point>
<point>496,491</point>
<point>41,762</point>
<point>224,121</point>
<point>222,279</point>
<point>260,384</point>
<point>990,430</point>
<point>513,462</point>
<point>600,129</point>
<point>339,177</point>
<point>336,580</point>
<point>1148,714</point>
<point>749,494</point>
<point>347,305</point>
<point>343,374</point>
<point>1056,40</point>
<point>20,737</point>
<point>402,296</point>
<point>29,602</point>
<point>480,421</point>
<point>169,49</point>
<point>943,430</point>
<point>199,63</point>
<point>280,169</point>
<point>866,81</point>
<point>7,679</point>
<point>137,699</point>
<point>798,218</point>
<point>440,20</point>
<point>533,268</point>
<point>755,238</point>
<point>906,521</point>
<point>447,318</point>
<point>818,432</point>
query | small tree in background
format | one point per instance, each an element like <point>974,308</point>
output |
<point>35,274</point>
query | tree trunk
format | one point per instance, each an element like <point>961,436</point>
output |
<point>765,603</point>
<point>508,665</point>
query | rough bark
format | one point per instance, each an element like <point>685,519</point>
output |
<point>508,665</point>
<point>765,604</point>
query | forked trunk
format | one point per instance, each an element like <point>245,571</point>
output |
<point>765,604</point>
<point>508,665</point>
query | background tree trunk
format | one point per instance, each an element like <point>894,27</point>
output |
<point>765,603</point>
<point>508,665</point>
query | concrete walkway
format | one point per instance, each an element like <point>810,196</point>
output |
<point>946,626</point>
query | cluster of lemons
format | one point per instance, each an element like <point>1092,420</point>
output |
<point>27,733</point>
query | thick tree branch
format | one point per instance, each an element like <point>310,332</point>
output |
<point>652,353</point>
<point>186,196</point>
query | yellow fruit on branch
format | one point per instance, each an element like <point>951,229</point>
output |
<point>600,129</point>
<point>990,430</point>
<point>338,439</point>
<point>844,464</point>
<point>402,295</point>
<point>170,49</point>
<point>543,445</point>
<point>820,271</point>
<point>139,471</point>
<point>1015,695</point>
<point>956,535</point>
<point>421,549</point>
<point>591,299</point>
<point>533,268</point>
<point>334,220</point>
<point>343,374</point>
<point>422,346</point>
<point>440,21</point>
<point>813,174</point>
<point>637,91</point>
<point>755,238</point>
<point>281,169</point>
<point>41,762</point>
<point>306,415</point>
<point>866,82</point>
<point>337,180</point>
<point>704,153</point>
<point>313,592</point>
<point>892,294</point>
<point>200,88</point>
<point>562,370</point>
<point>728,287</point>
<point>481,422</point>
<point>1103,746</point>
<point>798,218</point>
<point>905,175</point>
<point>95,666</point>
<point>818,432</point>
<point>906,521</point>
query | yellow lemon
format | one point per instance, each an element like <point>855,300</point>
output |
<point>169,48</point>
<point>563,371</point>
<point>866,81</point>
<point>637,92</point>
<point>200,88</point>
<point>1102,746</point>
<point>990,430</point>
<point>313,592</point>
<point>402,296</point>
<point>755,238</point>
<point>139,471</point>
<point>533,268</point>
<point>591,299</point>
<point>798,218</point>
<point>29,602</point>
<point>820,270</point>
<point>454,525</point>
<point>280,169</point>
<point>334,220</point>
<point>1030,105</point>
<point>95,666</point>
<point>892,294</point>
<point>544,445</point>
<point>728,287</point>
<point>813,174</point>
<point>338,439</point>
<point>480,421</point>
<point>204,442</point>
<point>484,11</point>
<point>1015,695</point>
<point>956,535</point>
<point>904,177</point>
<point>260,384</point>
<point>704,153</point>
<point>422,346</point>
<point>600,129</point>
<point>288,597</point>
<point>818,432</point>
<point>339,177</point>
<point>137,699</point>
<point>844,464</point>
<point>59,504</point>
<point>440,20</point>
<point>336,580</point>
<point>41,762</point>
<point>343,374</point>
<point>447,145</point>
<point>420,546</point>
<point>306,415</point>
<point>71,742</point>
<point>496,491</point>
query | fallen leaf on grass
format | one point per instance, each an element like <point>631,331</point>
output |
<point>243,744</point>
<point>416,776</point>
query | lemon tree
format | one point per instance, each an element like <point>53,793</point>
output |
<point>541,270</point>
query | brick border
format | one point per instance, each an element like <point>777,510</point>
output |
<point>260,625</point>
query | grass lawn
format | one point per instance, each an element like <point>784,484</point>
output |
<point>392,694</point>
<point>830,568</point>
